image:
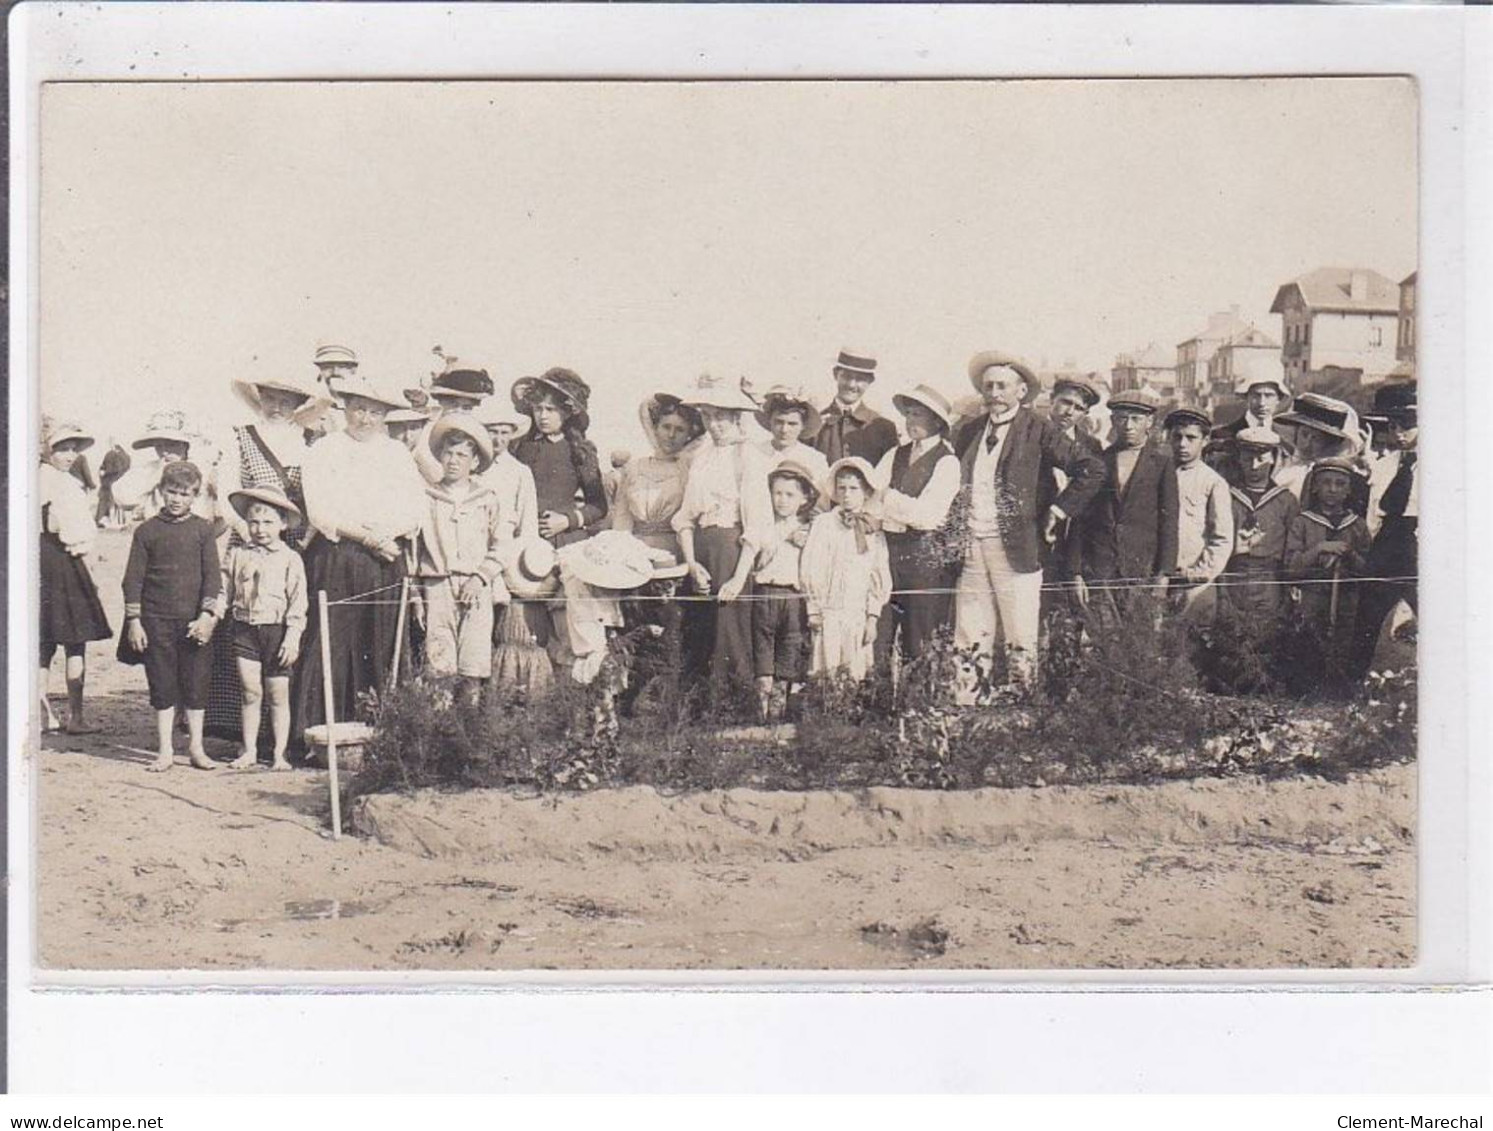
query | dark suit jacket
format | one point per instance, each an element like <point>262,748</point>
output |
<point>1032,448</point>
<point>1130,533</point>
<point>866,434</point>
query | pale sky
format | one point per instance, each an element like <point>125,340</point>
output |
<point>643,233</point>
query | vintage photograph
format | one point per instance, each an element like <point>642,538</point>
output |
<point>508,526</point>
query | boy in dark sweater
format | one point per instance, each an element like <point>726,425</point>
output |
<point>171,586</point>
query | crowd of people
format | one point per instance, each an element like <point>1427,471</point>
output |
<point>453,534</point>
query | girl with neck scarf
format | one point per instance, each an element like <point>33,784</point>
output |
<point>846,576</point>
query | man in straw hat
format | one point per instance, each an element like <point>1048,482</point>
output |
<point>1007,455</point>
<point>1393,518</point>
<point>459,554</point>
<point>850,426</point>
<point>922,478</point>
<point>265,602</point>
<point>722,522</point>
<point>1126,540</point>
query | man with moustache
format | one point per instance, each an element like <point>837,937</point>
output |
<point>848,427</point>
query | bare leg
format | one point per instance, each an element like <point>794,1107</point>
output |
<point>77,670</point>
<point>252,692</point>
<point>278,690</point>
<point>50,721</point>
<point>164,721</point>
<point>764,697</point>
<point>195,750</point>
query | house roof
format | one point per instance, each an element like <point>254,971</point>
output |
<point>1151,356</point>
<point>1252,336</point>
<point>1221,328</point>
<point>1331,288</point>
<point>1410,278</point>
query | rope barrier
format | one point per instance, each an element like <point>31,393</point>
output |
<point>1107,585</point>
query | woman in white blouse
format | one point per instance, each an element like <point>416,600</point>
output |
<point>71,613</point>
<point>365,499</point>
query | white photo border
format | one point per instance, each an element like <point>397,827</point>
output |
<point>55,1023</point>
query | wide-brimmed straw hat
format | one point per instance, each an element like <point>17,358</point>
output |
<point>781,397</point>
<point>247,389</point>
<point>529,567</point>
<point>239,500</point>
<point>406,416</point>
<point>612,559</point>
<point>565,384</point>
<point>60,432</point>
<point>930,398</point>
<point>494,412</point>
<point>1327,415</point>
<point>656,406</point>
<point>167,426</point>
<point>792,469</point>
<point>368,390</point>
<point>987,359</point>
<point>708,391</point>
<point>466,425</point>
<point>857,464</point>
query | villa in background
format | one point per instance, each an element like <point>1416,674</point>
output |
<point>1405,340</point>
<point>1248,357</point>
<point>1340,330</point>
<point>1195,355</point>
<point>1149,368</point>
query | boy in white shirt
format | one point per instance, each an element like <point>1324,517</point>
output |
<point>1205,516</point>
<point>779,622</point>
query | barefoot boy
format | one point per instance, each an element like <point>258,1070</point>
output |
<point>264,593</point>
<point>171,586</point>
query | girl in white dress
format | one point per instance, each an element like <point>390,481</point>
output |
<point>845,573</point>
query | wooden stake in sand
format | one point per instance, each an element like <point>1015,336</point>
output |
<point>1337,574</point>
<point>404,605</point>
<point>326,685</point>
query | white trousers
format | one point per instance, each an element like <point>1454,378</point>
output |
<point>997,605</point>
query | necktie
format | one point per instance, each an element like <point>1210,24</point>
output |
<point>1397,494</point>
<point>994,433</point>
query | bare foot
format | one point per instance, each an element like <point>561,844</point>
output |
<point>281,764</point>
<point>245,761</point>
<point>81,727</point>
<point>162,763</point>
<point>201,760</point>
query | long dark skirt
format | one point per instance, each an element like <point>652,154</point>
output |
<point>71,612</point>
<point>362,634</point>
<point>717,637</point>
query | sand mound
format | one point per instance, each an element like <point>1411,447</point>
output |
<point>1371,812</point>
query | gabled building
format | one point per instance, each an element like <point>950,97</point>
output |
<point>1149,368</point>
<point>1251,355</point>
<point>1405,339</point>
<point>1338,322</point>
<point>1196,354</point>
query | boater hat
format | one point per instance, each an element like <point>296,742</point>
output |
<point>858,363</point>
<point>1322,414</point>
<point>781,397</point>
<point>529,566</point>
<point>468,384</point>
<point>335,355</point>
<point>1084,386</point>
<point>167,426</point>
<point>60,432</point>
<point>1188,416</point>
<point>716,392</point>
<point>987,359</point>
<point>612,559</point>
<point>930,398</point>
<point>239,500</point>
<point>1135,400</point>
<point>468,426</point>
<point>858,465</point>
<point>792,469</point>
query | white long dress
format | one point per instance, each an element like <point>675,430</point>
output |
<point>844,586</point>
